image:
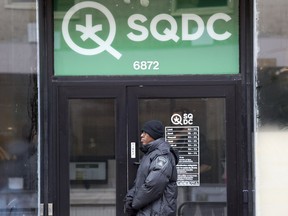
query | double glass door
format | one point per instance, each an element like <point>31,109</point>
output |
<point>96,152</point>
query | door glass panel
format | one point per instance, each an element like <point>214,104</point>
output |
<point>205,191</point>
<point>92,157</point>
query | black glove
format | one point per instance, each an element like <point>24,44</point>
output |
<point>129,210</point>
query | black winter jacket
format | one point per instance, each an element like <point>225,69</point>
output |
<point>155,189</point>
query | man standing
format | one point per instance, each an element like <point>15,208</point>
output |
<point>155,190</point>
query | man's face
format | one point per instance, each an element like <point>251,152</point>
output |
<point>146,138</point>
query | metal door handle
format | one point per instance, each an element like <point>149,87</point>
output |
<point>133,149</point>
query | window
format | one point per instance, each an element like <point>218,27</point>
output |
<point>18,110</point>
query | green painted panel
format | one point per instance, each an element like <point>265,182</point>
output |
<point>142,37</point>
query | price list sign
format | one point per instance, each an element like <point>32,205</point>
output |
<point>185,139</point>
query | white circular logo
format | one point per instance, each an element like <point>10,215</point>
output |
<point>176,119</point>
<point>89,31</point>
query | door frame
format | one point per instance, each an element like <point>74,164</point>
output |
<point>229,92</point>
<point>62,92</point>
<point>59,166</point>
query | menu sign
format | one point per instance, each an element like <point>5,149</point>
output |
<point>185,139</point>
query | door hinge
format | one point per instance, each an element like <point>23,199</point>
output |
<point>41,209</point>
<point>245,196</point>
<point>50,209</point>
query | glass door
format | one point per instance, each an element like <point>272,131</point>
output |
<point>198,123</point>
<point>98,136</point>
<point>91,163</point>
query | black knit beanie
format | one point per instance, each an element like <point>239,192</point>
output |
<point>154,128</point>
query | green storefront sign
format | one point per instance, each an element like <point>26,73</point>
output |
<point>142,37</point>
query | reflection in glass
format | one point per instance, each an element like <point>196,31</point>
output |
<point>92,156</point>
<point>210,197</point>
<point>18,109</point>
<point>271,106</point>
<point>272,74</point>
<point>273,92</point>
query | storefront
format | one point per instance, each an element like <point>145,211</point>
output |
<point>82,77</point>
<point>118,64</point>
